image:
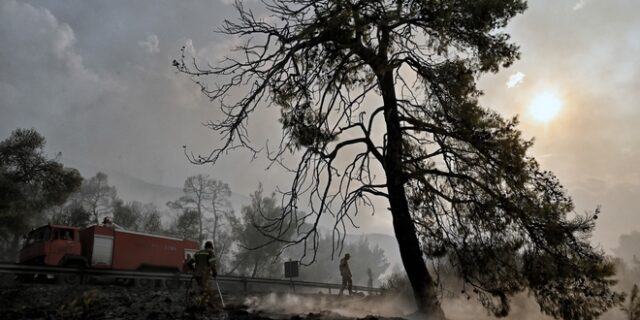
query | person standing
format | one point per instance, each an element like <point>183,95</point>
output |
<point>204,266</point>
<point>345,272</point>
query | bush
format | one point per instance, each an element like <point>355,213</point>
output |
<point>397,282</point>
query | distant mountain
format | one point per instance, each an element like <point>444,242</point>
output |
<point>131,188</point>
<point>134,189</point>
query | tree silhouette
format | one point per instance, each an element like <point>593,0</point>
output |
<point>378,99</point>
<point>203,194</point>
<point>30,183</point>
<point>186,224</point>
<point>196,197</point>
<point>150,220</point>
<point>127,215</point>
<point>633,309</point>
<point>98,196</point>
<point>255,254</point>
<point>219,226</point>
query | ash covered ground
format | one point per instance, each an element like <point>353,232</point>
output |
<point>95,302</point>
<point>49,301</point>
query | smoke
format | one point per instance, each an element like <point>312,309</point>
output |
<point>523,306</point>
<point>397,301</point>
<point>330,305</point>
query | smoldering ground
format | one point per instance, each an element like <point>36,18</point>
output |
<point>115,302</point>
<point>387,306</point>
<point>331,305</point>
<point>398,304</point>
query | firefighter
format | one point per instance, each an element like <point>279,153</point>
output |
<point>107,222</point>
<point>203,263</point>
<point>345,272</point>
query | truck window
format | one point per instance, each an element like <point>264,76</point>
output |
<point>64,234</point>
<point>39,235</point>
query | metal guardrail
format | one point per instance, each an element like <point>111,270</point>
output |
<point>244,281</point>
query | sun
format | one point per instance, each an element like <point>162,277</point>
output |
<point>545,106</point>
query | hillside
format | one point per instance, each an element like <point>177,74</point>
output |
<point>131,188</point>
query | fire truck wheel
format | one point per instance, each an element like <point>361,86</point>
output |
<point>71,279</point>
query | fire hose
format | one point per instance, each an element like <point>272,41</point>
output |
<point>189,289</point>
<point>219,292</point>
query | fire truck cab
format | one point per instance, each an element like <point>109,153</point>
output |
<point>54,245</point>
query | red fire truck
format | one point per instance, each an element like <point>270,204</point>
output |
<point>103,246</point>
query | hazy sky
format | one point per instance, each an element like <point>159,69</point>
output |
<point>95,78</point>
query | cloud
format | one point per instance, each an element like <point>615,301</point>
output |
<point>151,44</point>
<point>83,75</point>
<point>515,79</point>
<point>41,67</point>
<point>591,60</point>
<point>579,5</point>
<point>93,79</point>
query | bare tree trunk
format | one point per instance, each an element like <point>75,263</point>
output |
<point>200,217</point>
<point>405,231</point>
<point>215,225</point>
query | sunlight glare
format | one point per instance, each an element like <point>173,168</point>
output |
<point>545,106</point>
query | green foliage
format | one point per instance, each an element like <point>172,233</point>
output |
<point>504,224</point>
<point>137,216</point>
<point>150,220</point>
<point>125,215</point>
<point>396,282</point>
<point>78,216</point>
<point>71,213</point>
<point>259,252</point>
<point>30,182</point>
<point>94,200</point>
<point>204,195</point>
<point>204,212</point>
<point>186,224</point>
<point>633,308</point>
<point>304,126</point>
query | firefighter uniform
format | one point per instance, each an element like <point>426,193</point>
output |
<point>345,272</point>
<point>204,262</point>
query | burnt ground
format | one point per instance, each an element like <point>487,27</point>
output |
<point>50,301</point>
